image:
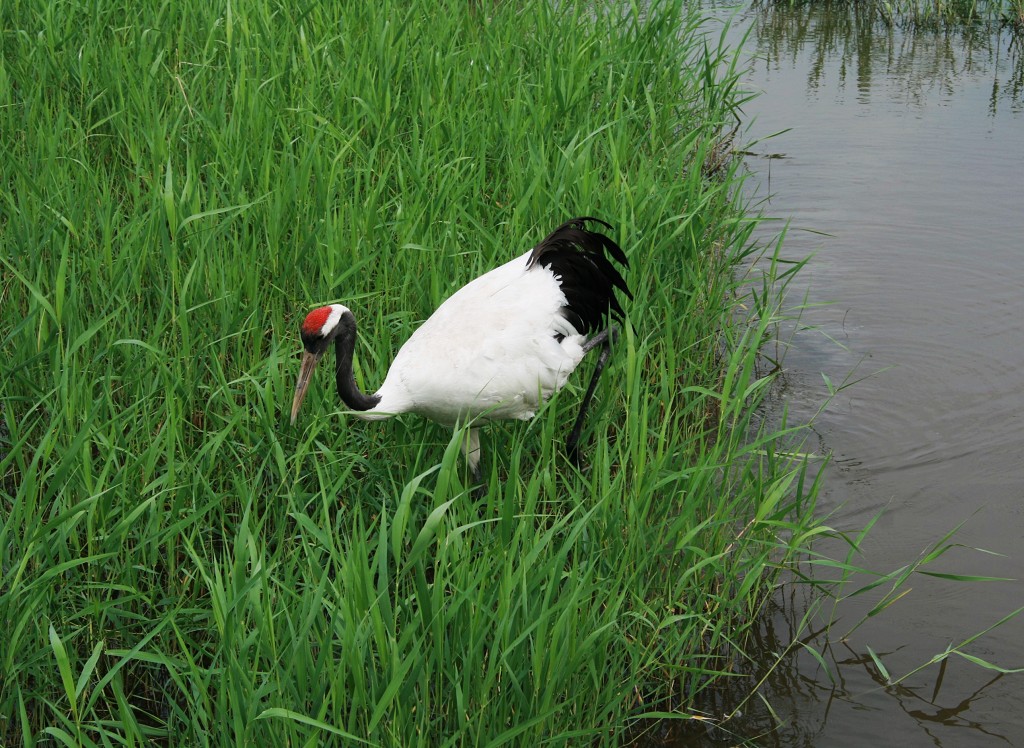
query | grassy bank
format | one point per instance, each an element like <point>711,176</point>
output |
<point>179,184</point>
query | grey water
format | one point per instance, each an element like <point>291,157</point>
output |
<point>900,171</point>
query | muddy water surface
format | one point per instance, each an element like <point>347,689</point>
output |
<point>903,172</point>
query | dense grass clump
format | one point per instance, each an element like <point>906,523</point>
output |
<point>178,183</point>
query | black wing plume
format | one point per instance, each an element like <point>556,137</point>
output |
<point>577,257</point>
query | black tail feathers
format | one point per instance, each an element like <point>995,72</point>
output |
<point>578,257</point>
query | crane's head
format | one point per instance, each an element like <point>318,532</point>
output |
<point>320,327</point>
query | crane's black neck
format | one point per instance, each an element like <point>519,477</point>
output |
<point>344,345</point>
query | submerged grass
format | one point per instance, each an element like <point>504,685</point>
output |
<point>179,181</point>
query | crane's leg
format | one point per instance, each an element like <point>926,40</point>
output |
<point>605,339</point>
<point>471,451</point>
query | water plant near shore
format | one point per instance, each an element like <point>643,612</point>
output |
<point>932,14</point>
<point>178,564</point>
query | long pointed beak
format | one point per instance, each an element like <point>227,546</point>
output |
<point>309,362</point>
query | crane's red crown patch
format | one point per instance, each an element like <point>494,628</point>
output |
<point>315,320</point>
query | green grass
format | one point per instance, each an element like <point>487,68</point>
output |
<point>179,183</point>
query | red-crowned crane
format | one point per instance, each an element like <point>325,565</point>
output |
<point>497,347</point>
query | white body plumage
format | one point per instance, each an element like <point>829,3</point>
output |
<point>495,349</point>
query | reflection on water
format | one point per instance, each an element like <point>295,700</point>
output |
<point>847,44</point>
<point>904,154</point>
